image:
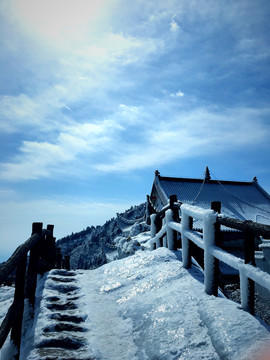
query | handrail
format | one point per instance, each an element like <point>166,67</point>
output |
<point>256,228</point>
<point>129,221</point>
<point>42,258</point>
<point>208,240</point>
<point>16,257</point>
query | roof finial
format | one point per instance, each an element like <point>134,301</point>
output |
<point>157,173</point>
<point>207,176</point>
<point>255,179</point>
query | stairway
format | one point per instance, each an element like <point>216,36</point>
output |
<point>60,329</point>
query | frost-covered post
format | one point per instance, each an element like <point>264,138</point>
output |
<point>16,329</point>
<point>31,279</point>
<point>66,262</point>
<point>58,258</point>
<point>216,206</point>
<point>175,215</point>
<point>185,220</point>
<point>170,236</point>
<point>209,221</point>
<point>51,252</point>
<point>153,225</point>
<point>149,210</point>
<point>247,285</point>
<point>153,230</point>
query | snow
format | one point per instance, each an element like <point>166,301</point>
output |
<point>127,246</point>
<point>195,211</point>
<point>6,299</point>
<point>148,306</point>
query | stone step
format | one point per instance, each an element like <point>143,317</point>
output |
<point>63,322</point>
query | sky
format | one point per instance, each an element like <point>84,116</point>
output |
<point>97,95</point>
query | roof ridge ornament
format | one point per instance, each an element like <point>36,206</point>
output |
<point>207,176</point>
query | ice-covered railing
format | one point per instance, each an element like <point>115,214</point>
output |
<point>208,240</point>
<point>129,222</point>
<point>44,255</point>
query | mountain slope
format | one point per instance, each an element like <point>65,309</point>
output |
<point>88,248</point>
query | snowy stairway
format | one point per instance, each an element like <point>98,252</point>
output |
<point>60,330</point>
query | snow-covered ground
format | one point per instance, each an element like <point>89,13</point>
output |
<point>145,306</point>
<point>6,299</point>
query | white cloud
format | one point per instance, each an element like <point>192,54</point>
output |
<point>128,140</point>
<point>63,128</point>
<point>177,94</point>
<point>189,134</point>
<point>42,159</point>
<point>174,27</point>
<point>86,73</point>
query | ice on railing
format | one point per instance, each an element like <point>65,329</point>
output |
<point>195,211</point>
<point>226,257</point>
<point>156,239</point>
<point>206,241</point>
<point>169,219</point>
<point>259,276</point>
<point>196,237</point>
<point>209,219</point>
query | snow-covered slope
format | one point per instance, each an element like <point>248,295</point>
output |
<point>146,306</point>
<point>89,248</point>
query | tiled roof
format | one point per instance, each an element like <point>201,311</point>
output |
<point>241,200</point>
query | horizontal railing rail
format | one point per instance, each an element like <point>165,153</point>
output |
<point>256,228</point>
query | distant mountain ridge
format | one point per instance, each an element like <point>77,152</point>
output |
<point>88,248</point>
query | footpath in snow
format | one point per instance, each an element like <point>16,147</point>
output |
<point>146,306</point>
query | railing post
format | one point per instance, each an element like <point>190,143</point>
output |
<point>216,206</point>
<point>170,237</point>
<point>153,225</point>
<point>185,241</point>
<point>153,230</point>
<point>149,210</point>
<point>31,279</point>
<point>175,216</point>
<point>50,256</point>
<point>66,262</point>
<point>19,301</point>
<point>248,286</point>
<point>209,260</point>
<point>58,258</point>
<point>158,223</point>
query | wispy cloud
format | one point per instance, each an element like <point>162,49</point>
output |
<point>42,159</point>
<point>177,94</point>
<point>174,26</point>
<point>190,134</point>
<point>105,102</point>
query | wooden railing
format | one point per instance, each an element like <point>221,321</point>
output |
<point>209,241</point>
<point>43,256</point>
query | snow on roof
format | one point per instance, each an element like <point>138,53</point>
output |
<point>241,200</point>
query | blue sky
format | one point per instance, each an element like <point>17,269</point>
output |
<point>97,95</point>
